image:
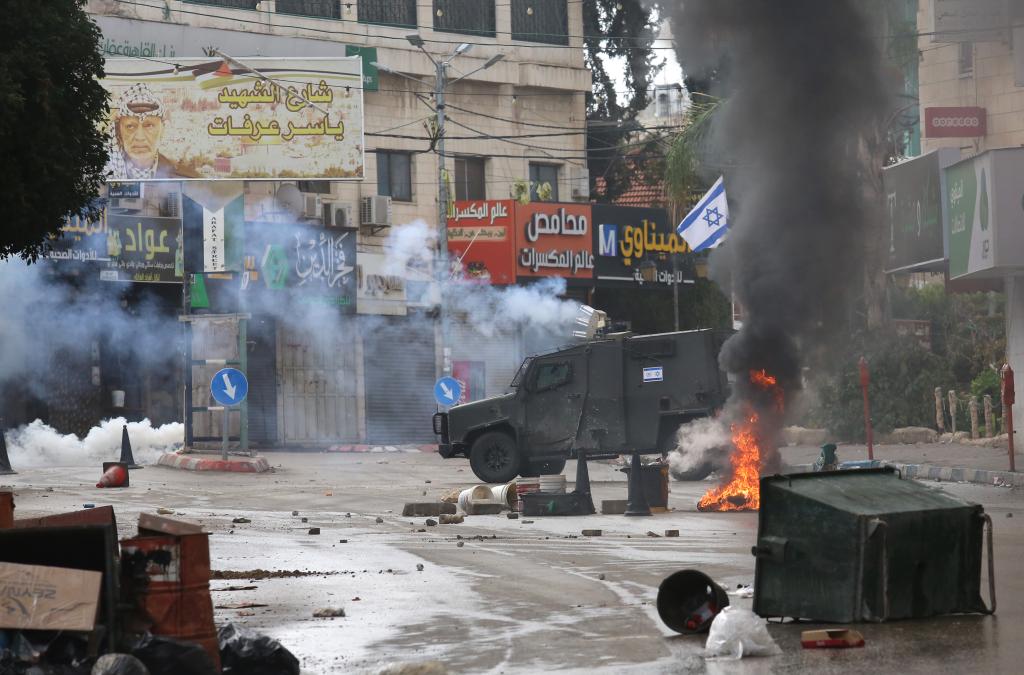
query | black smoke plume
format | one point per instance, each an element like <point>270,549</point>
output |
<point>804,86</point>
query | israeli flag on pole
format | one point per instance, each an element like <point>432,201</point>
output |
<point>708,222</point>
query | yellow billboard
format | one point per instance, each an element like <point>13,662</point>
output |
<point>207,119</point>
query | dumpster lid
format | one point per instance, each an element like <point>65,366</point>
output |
<point>864,491</point>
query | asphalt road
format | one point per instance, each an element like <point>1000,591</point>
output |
<point>517,596</point>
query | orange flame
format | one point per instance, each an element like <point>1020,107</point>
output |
<point>743,491</point>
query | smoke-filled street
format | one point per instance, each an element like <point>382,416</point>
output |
<point>396,337</point>
<point>518,596</point>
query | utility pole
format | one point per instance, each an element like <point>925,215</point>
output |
<point>442,271</point>
<point>443,268</point>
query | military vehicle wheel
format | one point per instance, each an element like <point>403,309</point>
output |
<point>699,472</point>
<point>494,457</point>
<point>550,468</point>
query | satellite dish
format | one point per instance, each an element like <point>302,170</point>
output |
<point>289,199</point>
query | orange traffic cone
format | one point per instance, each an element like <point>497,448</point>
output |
<point>115,474</point>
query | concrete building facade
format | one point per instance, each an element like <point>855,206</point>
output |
<point>972,74</point>
<point>521,118</point>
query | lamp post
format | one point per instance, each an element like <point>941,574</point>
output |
<point>441,83</point>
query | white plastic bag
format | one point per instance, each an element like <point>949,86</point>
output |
<point>736,633</point>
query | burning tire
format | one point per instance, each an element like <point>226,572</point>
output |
<point>494,457</point>
<point>550,468</point>
<point>699,472</point>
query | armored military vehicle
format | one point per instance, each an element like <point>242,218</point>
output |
<point>620,394</point>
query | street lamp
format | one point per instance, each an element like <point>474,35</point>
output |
<point>440,85</point>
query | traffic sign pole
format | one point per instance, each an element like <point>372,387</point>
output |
<point>224,434</point>
<point>229,387</point>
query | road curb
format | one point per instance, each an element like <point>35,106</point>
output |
<point>376,449</point>
<point>945,473</point>
<point>242,465</point>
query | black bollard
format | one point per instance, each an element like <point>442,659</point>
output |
<point>126,450</point>
<point>637,501</point>
<point>5,461</point>
<point>583,485</point>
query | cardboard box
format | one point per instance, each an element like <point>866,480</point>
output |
<point>35,597</point>
<point>831,638</point>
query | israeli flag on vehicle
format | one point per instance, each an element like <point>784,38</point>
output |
<point>706,225</point>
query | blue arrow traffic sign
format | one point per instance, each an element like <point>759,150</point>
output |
<point>229,386</point>
<point>447,391</point>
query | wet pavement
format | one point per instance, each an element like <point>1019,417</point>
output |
<point>517,596</point>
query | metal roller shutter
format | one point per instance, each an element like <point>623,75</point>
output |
<point>501,355</point>
<point>399,367</point>
<point>262,375</point>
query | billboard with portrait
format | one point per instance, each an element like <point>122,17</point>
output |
<point>206,119</point>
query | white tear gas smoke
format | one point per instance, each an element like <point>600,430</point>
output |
<point>38,445</point>
<point>489,310</point>
<point>47,324</point>
<point>703,441</point>
<point>805,101</point>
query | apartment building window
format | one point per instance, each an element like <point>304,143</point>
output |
<point>469,178</point>
<point>388,12</point>
<point>394,175</point>
<point>473,17</point>
<point>965,64</point>
<point>235,4</point>
<point>540,174</point>
<point>541,21</point>
<point>325,9</point>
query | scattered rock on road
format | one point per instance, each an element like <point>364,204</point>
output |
<point>447,519</point>
<point>328,613</point>
<point>241,521</point>
<point>379,520</point>
<point>431,522</point>
<point>424,668</point>
<point>314,530</point>
<point>419,567</point>
<point>165,512</point>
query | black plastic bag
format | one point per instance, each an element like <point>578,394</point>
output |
<point>246,652</point>
<point>167,656</point>
<point>119,664</point>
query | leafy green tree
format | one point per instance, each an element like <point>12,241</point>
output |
<point>618,29</point>
<point>51,106</point>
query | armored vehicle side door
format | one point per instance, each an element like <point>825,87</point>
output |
<point>554,402</point>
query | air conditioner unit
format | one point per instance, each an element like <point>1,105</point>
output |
<point>337,214</point>
<point>375,211</point>
<point>579,180</point>
<point>311,206</point>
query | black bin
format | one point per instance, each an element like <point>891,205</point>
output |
<point>864,545</point>
<point>654,478</point>
<point>688,601</point>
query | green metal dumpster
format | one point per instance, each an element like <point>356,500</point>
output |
<point>866,545</point>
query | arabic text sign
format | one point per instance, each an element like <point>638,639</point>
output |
<point>298,118</point>
<point>481,243</point>
<point>310,265</point>
<point>625,237</point>
<point>983,199</point>
<point>913,192</point>
<point>125,247</point>
<point>379,289</point>
<point>554,240</point>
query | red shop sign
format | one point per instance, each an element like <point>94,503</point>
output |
<point>968,122</point>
